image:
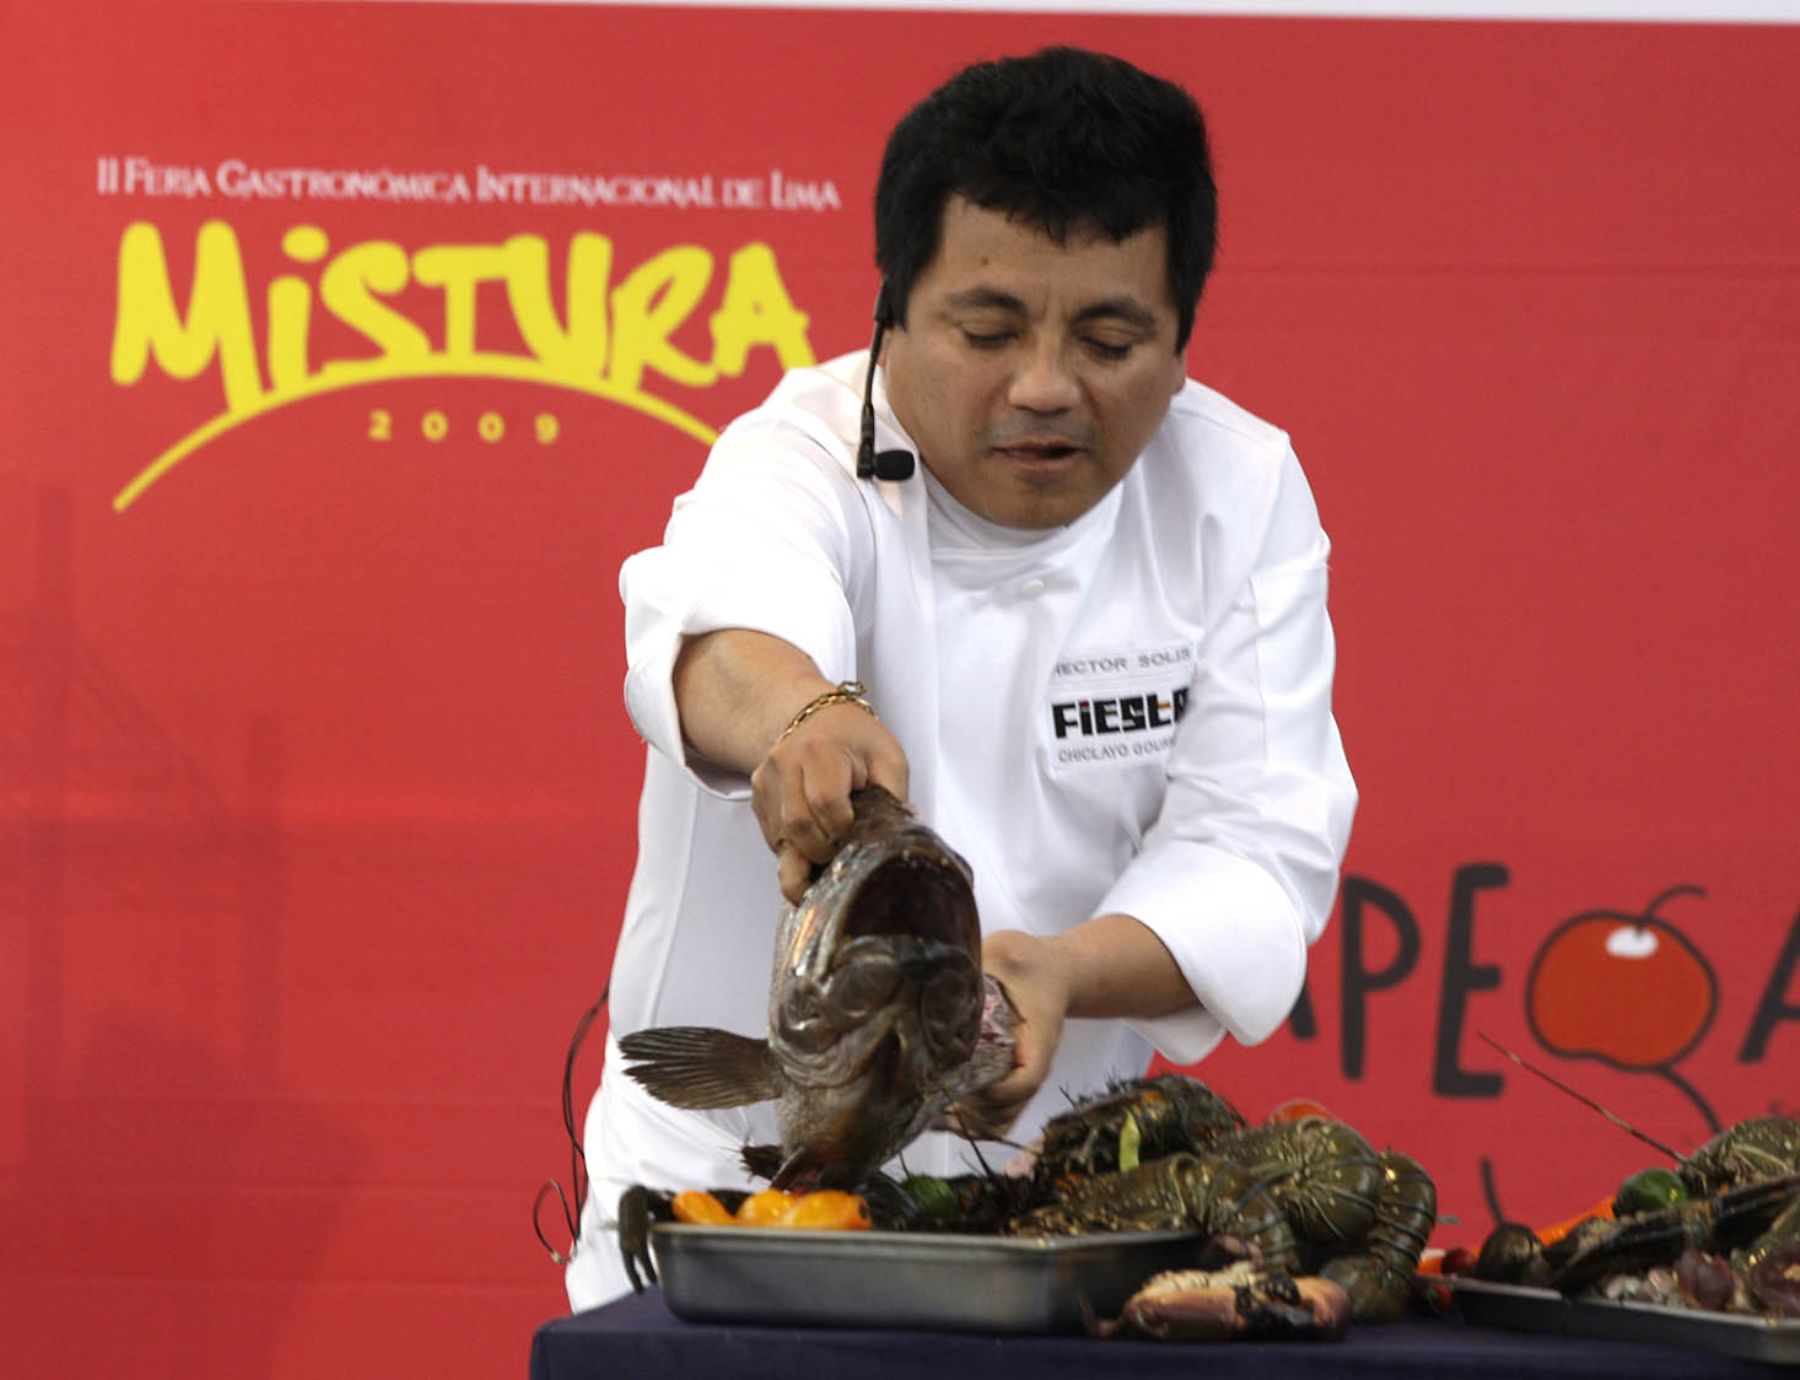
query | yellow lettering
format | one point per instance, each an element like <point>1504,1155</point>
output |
<point>290,310</point>
<point>290,318</point>
<point>648,307</point>
<point>217,320</point>
<point>460,270</point>
<point>580,351</point>
<point>757,310</point>
<point>600,340</point>
<point>347,287</point>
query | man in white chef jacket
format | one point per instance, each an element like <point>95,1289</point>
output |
<point>1090,629</point>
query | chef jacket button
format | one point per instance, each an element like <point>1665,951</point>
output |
<point>1031,588</point>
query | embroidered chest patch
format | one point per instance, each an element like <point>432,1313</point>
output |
<point>1116,707</point>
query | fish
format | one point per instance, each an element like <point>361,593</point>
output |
<point>880,1016</point>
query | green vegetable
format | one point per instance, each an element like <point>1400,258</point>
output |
<point>935,1199</point>
<point>1650,1190</point>
<point>1131,1141</point>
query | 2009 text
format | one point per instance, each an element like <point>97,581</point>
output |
<point>435,425</point>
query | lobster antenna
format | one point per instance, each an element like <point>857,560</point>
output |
<point>974,1144</point>
<point>1585,1101</point>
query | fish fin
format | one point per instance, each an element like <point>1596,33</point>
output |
<point>699,1067</point>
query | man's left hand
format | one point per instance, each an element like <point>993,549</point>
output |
<point>1107,967</point>
<point>1035,975</point>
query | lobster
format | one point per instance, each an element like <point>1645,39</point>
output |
<point>1309,1202</point>
<point>1744,1187</point>
<point>1308,1196</point>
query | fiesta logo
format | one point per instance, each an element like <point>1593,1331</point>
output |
<point>1099,715</point>
<point>606,342</point>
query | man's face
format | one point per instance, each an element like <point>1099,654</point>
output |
<point>1031,373</point>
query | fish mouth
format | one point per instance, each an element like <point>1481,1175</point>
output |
<point>910,894</point>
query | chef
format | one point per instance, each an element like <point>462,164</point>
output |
<point>1015,566</point>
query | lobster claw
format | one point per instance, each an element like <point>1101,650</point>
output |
<point>1243,1300</point>
<point>638,1207</point>
<point>1308,1307</point>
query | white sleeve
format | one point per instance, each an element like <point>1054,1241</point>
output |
<point>765,540</point>
<point>1238,873</point>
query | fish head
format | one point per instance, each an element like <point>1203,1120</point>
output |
<point>854,1105</point>
<point>877,996</point>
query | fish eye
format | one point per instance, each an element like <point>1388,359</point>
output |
<point>862,985</point>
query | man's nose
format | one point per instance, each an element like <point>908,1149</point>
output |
<point>1044,382</point>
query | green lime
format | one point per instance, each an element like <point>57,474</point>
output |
<point>1650,1190</point>
<point>935,1199</point>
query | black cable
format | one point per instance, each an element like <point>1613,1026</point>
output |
<point>578,1176</point>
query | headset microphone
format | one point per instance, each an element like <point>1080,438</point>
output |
<point>870,463</point>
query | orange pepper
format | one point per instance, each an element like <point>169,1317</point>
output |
<point>699,1208</point>
<point>829,1209</point>
<point>764,1209</point>
<point>1550,1235</point>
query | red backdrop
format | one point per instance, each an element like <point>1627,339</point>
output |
<point>316,793</point>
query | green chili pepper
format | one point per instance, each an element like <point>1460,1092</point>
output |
<point>1131,1141</point>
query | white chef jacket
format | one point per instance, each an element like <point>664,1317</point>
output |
<point>1130,714</point>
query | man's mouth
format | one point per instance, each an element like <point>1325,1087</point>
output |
<point>1038,452</point>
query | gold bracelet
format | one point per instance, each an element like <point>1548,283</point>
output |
<point>844,692</point>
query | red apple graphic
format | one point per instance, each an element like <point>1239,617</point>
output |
<point>1629,990</point>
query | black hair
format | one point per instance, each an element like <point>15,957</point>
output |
<point>1064,140</point>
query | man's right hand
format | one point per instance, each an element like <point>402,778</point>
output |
<point>801,788</point>
<point>737,691</point>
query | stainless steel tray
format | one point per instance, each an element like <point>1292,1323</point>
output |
<point>906,1279</point>
<point>1545,1310</point>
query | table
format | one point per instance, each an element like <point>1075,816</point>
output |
<point>639,1337</point>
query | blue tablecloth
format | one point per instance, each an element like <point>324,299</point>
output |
<point>639,1337</point>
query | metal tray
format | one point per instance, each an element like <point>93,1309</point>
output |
<point>906,1279</point>
<point>1544,1310</point>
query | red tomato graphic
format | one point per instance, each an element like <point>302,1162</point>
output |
<point>1626,989</point>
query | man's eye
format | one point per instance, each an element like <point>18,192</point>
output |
<point>986,340</point>
<point>1106,349</point>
